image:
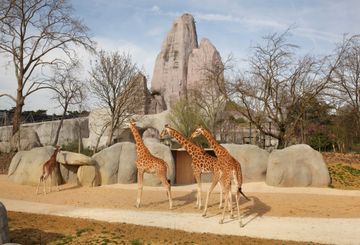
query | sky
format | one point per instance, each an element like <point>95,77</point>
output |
<point>233,26</point>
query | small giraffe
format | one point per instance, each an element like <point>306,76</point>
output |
<point>201,161</point>
<point>47,170</point>
<point>228,168</point>
<point>146,162</point>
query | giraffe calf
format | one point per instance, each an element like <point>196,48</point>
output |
<point>47,170</point>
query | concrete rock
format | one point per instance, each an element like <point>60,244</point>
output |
<point>72,158</point>
<point>26,166</point>
<point>116,164</point>
<point>88,176</point>
<point>69,173</point>
<point>4,228</point>
<point>297,165</point>
<point>169,76</point>
<point>5,147</point>
<point>253,161</point>
<point>202,60</point>
<point>28,139</point>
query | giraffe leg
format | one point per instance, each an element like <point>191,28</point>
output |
<point>198,195</point>
<point>50,182</point>
<point>37,188</point>
<point>44,182</point>
<point>221,194</point>
<point>213,184</point>
<point>167,186</point>
<point>230,204</point>
<point>140,187</point>
<point>237,197</point>
<point>221,221</point>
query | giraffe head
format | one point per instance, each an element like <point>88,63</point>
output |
<point>165,132</point>
<point>198,131</point>
<point>57,148</point>
<point>132,123</point>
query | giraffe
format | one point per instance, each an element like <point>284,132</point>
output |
<point>146,162</point>
<point>47,169</point>
<point>228,168</point>
<point>201,161</point>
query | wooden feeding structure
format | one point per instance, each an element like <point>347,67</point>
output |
<point>183,171</point>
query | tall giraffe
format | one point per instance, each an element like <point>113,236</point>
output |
<point>146,162</point>
<point>47,169</point>
<point>201,161</point>
<point>229,168</point>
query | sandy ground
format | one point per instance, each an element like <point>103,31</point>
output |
<point>304,214</point>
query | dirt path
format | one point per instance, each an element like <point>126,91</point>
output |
<point>322,230</point>
<point>303,214</point>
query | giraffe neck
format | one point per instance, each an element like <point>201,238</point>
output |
<point>140,146</point>
<point>189,146</point>
<point>218,149</point>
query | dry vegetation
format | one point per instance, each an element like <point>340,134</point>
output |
<point>44,229</point>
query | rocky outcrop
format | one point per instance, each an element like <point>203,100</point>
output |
<point>26,167</point>
<point>204,63</point>
<point>28,140</point>
<point>5,147</point>
<point>297,165</point>
<point>116,164</point>
<point>170,71</point>
<point>253,161</point>
<point>4,228</point>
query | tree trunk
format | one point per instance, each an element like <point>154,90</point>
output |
<point>18,111</point>
<point>281,139</point>
<point>60,125</point>
<point>110,137</point>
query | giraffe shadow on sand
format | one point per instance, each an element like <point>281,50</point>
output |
<point>179,201</point>
<point>254,208</point>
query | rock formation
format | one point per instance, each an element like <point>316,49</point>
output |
<point>204,63</point>
<point>4,228</point>
<point>116,163</point>
<point>253,161</point>
<point>297,165</point>
<point>170,71</point>
<point>26,167</point>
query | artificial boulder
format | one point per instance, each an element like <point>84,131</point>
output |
<point>5,147</point>
<point>253,161</point>
<point>297,165</point>
<point>88,176</point>
<point>116,164</point>
<point>72,158</point>
<point>28,139</point>
<point>26,166</point>
<point>4,228</point>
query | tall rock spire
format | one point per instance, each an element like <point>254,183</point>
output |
<point>170,71</point>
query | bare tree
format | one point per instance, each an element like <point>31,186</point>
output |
<point>113,82</point>
<point>68,89</point>
<point>31,31</point>
<point>277,85</point>
<point>345,80</point>
<point>207,96</point>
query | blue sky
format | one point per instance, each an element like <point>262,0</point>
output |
<point>139,27</point>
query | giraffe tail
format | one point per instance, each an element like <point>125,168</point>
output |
<point>240,191</point>
<point>169,181</point>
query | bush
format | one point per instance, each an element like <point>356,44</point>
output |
<point>74,147</point>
